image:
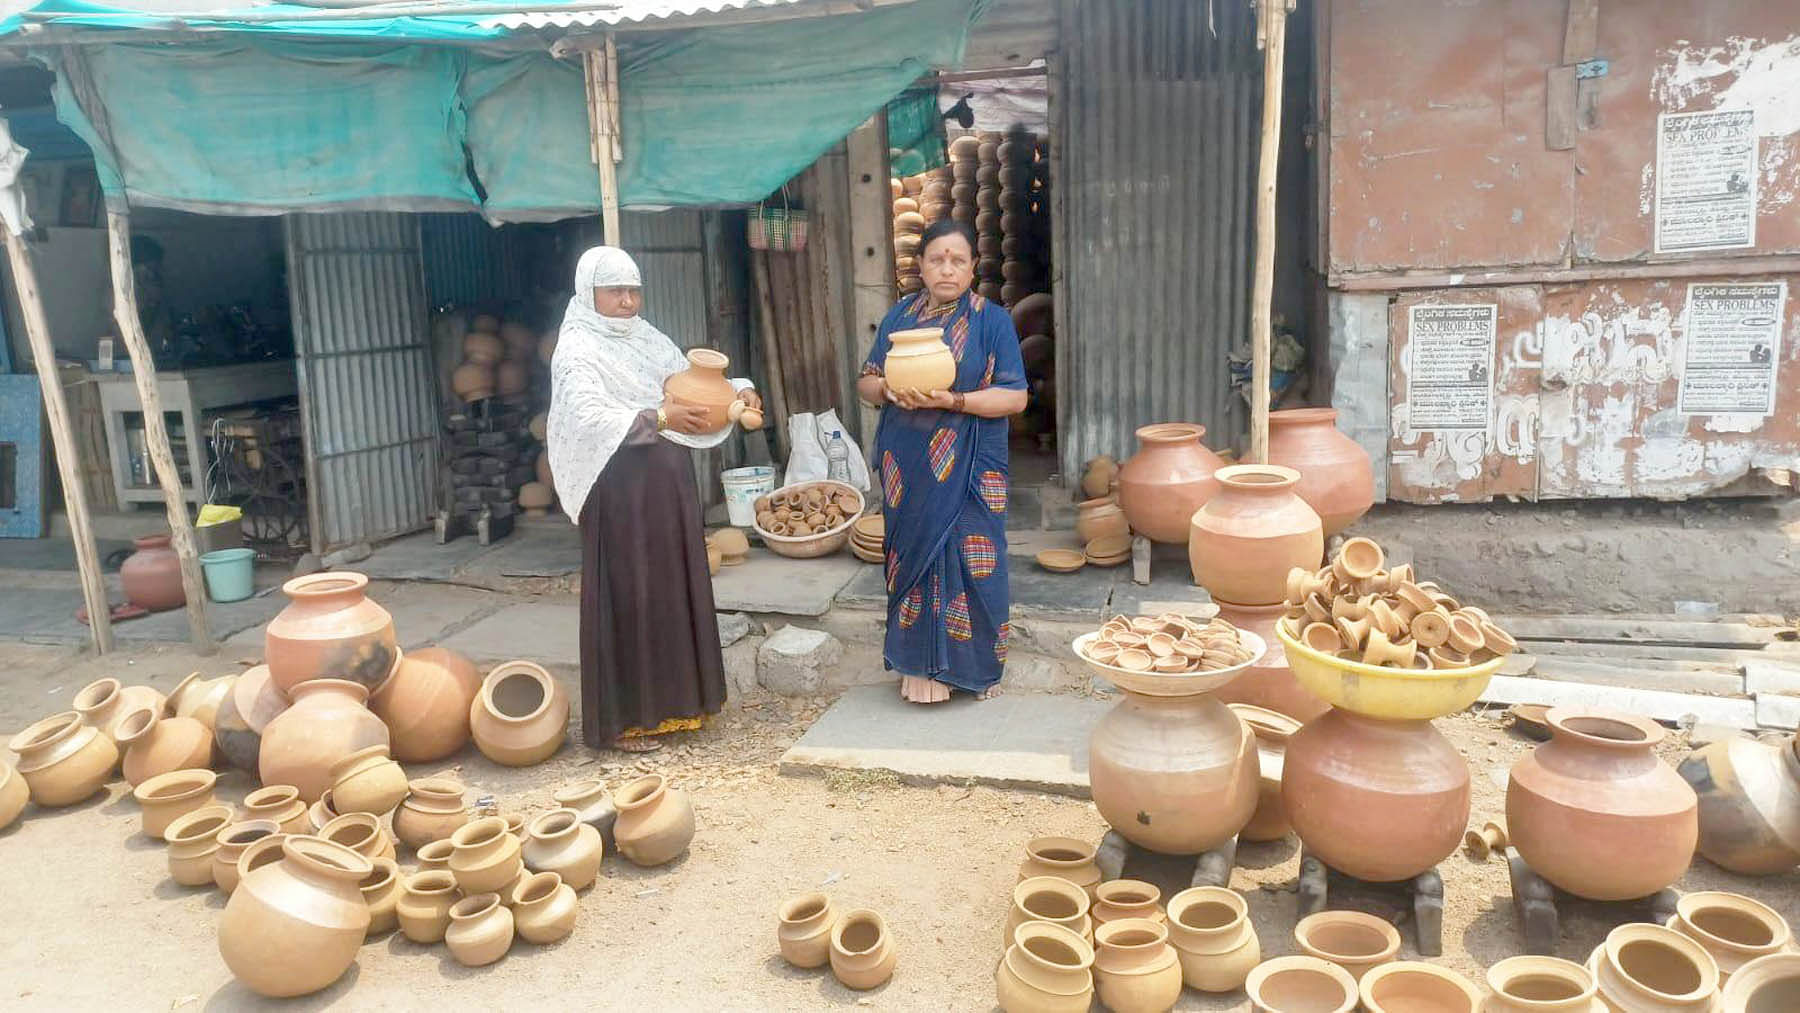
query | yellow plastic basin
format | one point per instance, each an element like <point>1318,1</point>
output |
<point>1379,692</point>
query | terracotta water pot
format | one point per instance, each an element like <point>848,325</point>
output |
<point>432,811</point>
<point>426,704</point>
<point>1098,476</point>
<point>1749,794</point>
<point>656,822</point>
<point>1541,985</point>
<point>1120,899</point>
<point>1251,533</point>
<point>62,760</point>
<point>235,841</point>
<point>199,698</point>
<point>1061,857</point>
<point>13,794</point>
<point>1731,928</point>
<point>803,929</point>
<point>544,908</point>
<point>1046,969</point>
<point>361,833</point>
<point>157,745</point>
<point>1594,811</point>
<point>481,930</point>
<point>520,716</point>
<point>103,702</point>
<point>862,952</point>
<point>330,630</point>
<point>484,857</point>
<point>1209,926</point>
<point>164,797</point>
<point>280,803</point>
<point>435,855</point>
<point>1300,984</point>
<point>252,703</point>
<point>1353,940</point>
<point>1135,968</point>
<point>1765,985</point>
<point>484,347</point>
<point>1379,800</point>
<point>381,892</point>
<point>1167,480</point>
<point>1100,518</point>
<point>1414,986</point>
<point>326,723</point>
<point>424,906</point>
<point>1270,683</point>
<point>704,384</point>
<point>293,927</point>
<point>918,359</point>
<point>593,803</point>
<point>367,781</point>
<point>1049,899</point>
<point>193,839</point>
<point>1651,969</point>
<point>473,381</point>
<point>1272,731</point>
<point>1336,478</point>
<point>559,842</point>
<point>151,576</point>
<point>321,812</point>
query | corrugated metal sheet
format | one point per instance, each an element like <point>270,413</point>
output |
<point>468,262</point>
<point>630,12</point>
<point>1158,125</point>
<point>366,389</point>
<point>1011,33</point>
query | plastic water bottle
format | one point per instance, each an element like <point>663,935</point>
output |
<point>837,457</point>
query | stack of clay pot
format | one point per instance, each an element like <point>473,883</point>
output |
<point>537,496</point>
<point>989,277</point>
<point>1017,247</point>
<point>909,221</point>
<point>490,455</point>
<point>965,166</point>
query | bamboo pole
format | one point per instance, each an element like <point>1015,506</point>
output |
<point>156,432</point>
<point>62,435</point>
<point>602,67</point>
<point>1271,35</point>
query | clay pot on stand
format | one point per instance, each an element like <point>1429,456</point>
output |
<point>1100,518</point>
<point>1209,926</point>
<point>1167,480</point>
<point>326,723</point>
<point>1651,969</point>
<point>426,704</point>
<point>199,698</point>
<point>1336,478</point>
<point>424,906</point>
<point>918,359</point>
<point>367,781</point>
<point>804,929</point>
<point>862,952</point>
<point>381,892</point>
<point>1270,683</point>
<point>1135,968</point>
<point>1731,928</point>
<point>1047,969</point>
<point>593,803</point>
<point>1414,986</point>
<point>1352,940</point>
<point>237,728</point>
<point>544,908</point>
<point>559,842</point>
<point>1120,899</point>
<point>485,858</point>
<point>1594,812</point>
<point>1272,731</point>
<point>103,702</point>
<point>432,811</point>
<point>293,927</point>
<point>157,745</point>
<point>1062,858</point>
<point>521,715</point>
<point>481,930</point>
<point>330,630</point>
<point>151,576</point>
<point>1251,533</point>
<point>1286,984</point>
<point>704,384</point>
<point>1541,985</point>
<point>13,794</point>
<point>1765,985</point>
<point>164,797</point>
<point>656,822</point>
<point>193,839</point>
<point>1749,804</point>
<point>235,841</point>
<point>62,760</point>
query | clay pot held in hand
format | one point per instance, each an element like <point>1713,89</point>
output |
<point>237,728</point>
<point>918,359</point>
<point>294,926</point>
<point>804,929</point>
<point>235,841</point>
<point>1731,928</point>
<point>481,930</point>
<point>103,702</point>
<point>1541,985</point>
<point>426,704</point>
<point>1061,858</point>
<point>1209,926</point>
<point>157,745</point>
<point>1251,533</point>
<point>520,716</point>
<point>151,576</point>
<point>193,839</point>
<point>544,908</point>
<point>13,794</point>
<point>1336,478</point>
<point>1272,731</point>
<point>862,952</point>
<point>330,630</point>
<point>424,906</point>
<point>559,842</point>
<point>656,822</point>
<point>1353,940</point>
<point>1270,683</point>
<point>1414,986</point>
<point>1287,984</point>
<point>199,698</point>
<point>1100,518</point>
<point>1594,811</point>
<point>326,723</point>
<point>432,811</point>
<point>1651,969</point>
<point>484,857</point>
<point>703,383</point>
<point>1047,969</point>
<point>164,797</point>
<point>367,781</point>
<point>1749,804</point>
<point>62,760</point>
<point>381,892</point>
<point>1167,480</point>
<point>1135,968</point>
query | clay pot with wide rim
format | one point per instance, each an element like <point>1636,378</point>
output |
<point>237,728</point>
<point>656,821</point>
<point>521,715</point>
<point>1414,986</point>
<point>803,929</point>
<point>62,760</point>
<point>424,906</point>
<point>1651,969</point>
<point>1353,940</point>
<point>426,704</point>
<point>1210,928</point>
<point>593,803</point>
<point>544,908</point>
<point>1336,477</point>
<point>330,630</point>
<point>321,812</point>
<point>1119,899</point>
<point>103,702</point>
<point>1099,518</point>
<point>481,930</point>
<point>164,797</point>
<point>1064,858</point>
<point>704,384</point>
<point>918,359</point>
<point>1046,969</point>
<point>1379,800</point>
<point>1290,984</point>
<point>193,839</point>
<point>862,951</point>
<point>1270,683</point>
<point>435,855</point>
<point>199,698</point>
<point>151,576</point>
<point>381,892</point>
<point>1731,928</point>
<point>367,781</point>
<point>1272,731</point>
<point>1098,477</point>
<point>1135,968</point>
<point>1595,812</point>
<point>1749,794</point>
<point>1167,480</point>
<point>432,811</point>
<point>484,857</point>
<point>361,833</point>
<point>1541,985</point>
<point>293,927</point>
<point>1251,533</point>
<point>13,794</point>
<point>1049,899</point>
<point>1765,985</point>
<point>327,722</point>
<point>557,841</point>
<point>235,841</point>
<point>157,745</point>
<point>281,803</point>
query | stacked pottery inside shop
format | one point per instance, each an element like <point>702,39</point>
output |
<point>989,278</point>
<point>965,164</point>
<point>492,463</point>
<point>909,221</point>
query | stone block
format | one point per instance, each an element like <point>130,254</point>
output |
<point>1776,711</point>
<point>733,627</point>
<point>793,661</point>
<point>740,672</point>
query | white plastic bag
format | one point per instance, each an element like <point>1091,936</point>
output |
<point>809,434</point>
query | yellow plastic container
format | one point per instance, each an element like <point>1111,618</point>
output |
<point>1379,692</point>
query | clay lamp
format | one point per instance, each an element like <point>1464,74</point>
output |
<point>1174,664</point>
<point>1359,559</point>
<point>1348,607</point>
<point>1431,629</point>
<point>1402,574</point>
<point>1160,645</point>
<point>1476,613</point>
<point>1130,640</point>
<point>1322,637</point>
<point>1188,647</point>
<point>1497,640</point>
<point>1317,610</point>
<point>1380,650</point>
<point>1355,632</point>
<point>1444,657</point>
<point>1479,844</point>
<point>1446,602</point>
<point>1465,634</point>
<point>1103,652</point>
<point>1135,660</point>
<point>1413,595</point>
<point>1386,619</point>
<point>1302,584</point>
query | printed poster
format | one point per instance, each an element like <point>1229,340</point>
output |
<point>1706,180</point>
<point>1450,377</point>
<point>1733,341</point>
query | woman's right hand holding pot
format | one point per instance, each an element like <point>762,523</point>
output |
<point>684,417</point>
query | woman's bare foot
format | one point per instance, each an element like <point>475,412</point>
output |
<point>636,744</point>
<point>920,690</point>
<point>990,692</point>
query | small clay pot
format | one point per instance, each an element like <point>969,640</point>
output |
<point>1210,928</point>
<point>804,929</point>
<point>1135,968</point>
<point>367,781</point>
<point>199,698</point>
<point>1288,984</point>
<point>235,841</point>
<point>521,715</point>
<point>435,855</point>
<point>103,702</point>
<point>426,704</point>
<point>1064,858</point>
<point>193,838</point>
<point>557,841</point>
<point>862,952</point>
<point>1410,986</point>
<point>1541,985</point>
<point>321,812</point>
<point>544,908</point>
<point>424,906</point>
<point>13,794</point>
<point>361,833</point>
<point>1352,940</point>
<point>1654,969</point>
<point>155,745</point>
<point>656,822</point>
<point>1765,985</point>
<point>485,858</point>
<point>593,804</point>
<point>1047,969</point>
<point>1098,476</point>
<point>381,892</point>
<point>432,811</point>
<point>62,760</point>
<point>1120,899</point>
<point>1049,899</point>
<point>481,930</point>
<point>164,797</point>
<point>1731,928</point>
<point>280,803</point>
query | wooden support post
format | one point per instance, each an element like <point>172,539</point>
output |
<point>1271,34</point>
<point>602,71</point>
<point>62,435</point>
<point>156,432</point>
<point>775,405</point>
<point>871,249</point>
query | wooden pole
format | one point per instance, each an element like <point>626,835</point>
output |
<point>872,251</point>
<point>1271,35</point>
<point>156,432</point>
<point>62,435</point>
<point>602,66</point>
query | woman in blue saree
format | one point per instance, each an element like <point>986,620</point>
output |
<point>941,457</point>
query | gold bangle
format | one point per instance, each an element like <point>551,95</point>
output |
<point>662,420</point>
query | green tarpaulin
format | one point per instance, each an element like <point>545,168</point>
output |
<point>915,131</point>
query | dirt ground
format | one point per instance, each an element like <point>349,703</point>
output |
<point>97,924</point>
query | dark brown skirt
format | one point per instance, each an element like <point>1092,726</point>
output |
<point>649,637</point>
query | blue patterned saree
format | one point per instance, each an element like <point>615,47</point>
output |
<point>943,477</point>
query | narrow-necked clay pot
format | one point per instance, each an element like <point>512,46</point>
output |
<point>151,576</point>
<point>1749,804</point>
<point>367,781</point>
<point>1414,986</point>
<point>426,704</point>
<point>544,908</point>
<point>327,722</point>
<point>593,803</point>
<point>704,384</point>
<point>521,715</point>
<point>1100,518</point>
<point>1251,533</point>
<point>1270,683</point>
<point>804,929</point>
<point>361,833</point>
<point>330,630</point>
<point>1167,480</point>
<point>199,698</point>
<point>1292,984</point>
<point>103,702</point>
<point>63,760</point>
<point>1046,969</point>
<point>1272,731</point>
<point>656,821</point>
<point>193,839</point>
<point>557,841</point>
<point>1210,928</point>
<point>1120,899</point>
<point>1049,899</point>
<point>432,811</point>
<point>1731,928</point>
<point>235,841</point>
<point>293,927</point>
<point>1350,939</point>
<point>163,797</point>
<point>13,794</point>
<point>1765,985</point>
<point>253,702</point>
<point>424,906</point>
<point>1651,969</point>
<point>157,745</point>
<point>381,891</point>
<point>481,930</point>
<point>862,952</point>
<point>1336,477</point>
<point>1062,857</point>
<point>435,855</point>
<point>485,858</point>
<point>1541,985</point>
<point>1135,968</point>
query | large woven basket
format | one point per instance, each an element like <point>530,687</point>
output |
<point>813,546</point>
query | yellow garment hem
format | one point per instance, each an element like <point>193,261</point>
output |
<point>692,724</point>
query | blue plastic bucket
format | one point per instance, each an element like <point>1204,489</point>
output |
<point>230,574</point>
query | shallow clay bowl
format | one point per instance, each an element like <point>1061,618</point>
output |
<point>1109,561</point>
<point>1061,560</point>
<point>1530,720</point>
<point>1395,694</point>
<point>1108,546</point>
<point>872,528</point>
<point>1182,684</point>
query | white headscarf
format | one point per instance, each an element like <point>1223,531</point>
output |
<point>605,373</point>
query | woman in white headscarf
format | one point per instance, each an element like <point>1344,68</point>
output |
<point>650,659</point>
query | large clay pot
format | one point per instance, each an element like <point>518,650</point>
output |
<point>1731,928</point>
<point>703,383</point>
<point>1272,731</point>
<point>1749,804</point>
<point>381,892</point>
<point>1167,480</point>
<point>367,781</point>
<point>1765,985</point>
<point>473,381</point>
<point>235,841</point>
<point>330,630</point>
<point>1353,940</point>
<point>151,576</point>
<point>252,703</point>
<point>426,704</point>
<point>432,811</point>
<point>484,857</point>
<point>1049,899</point>
<point>13,794</point>
<point>280,804</point>
<point>919,360</point>
<point>1063,858</point>
<point>1541,985</point>
<point>1209,926</point>
<point>1269,683</point>
<point>166,796</point>
<point>544,908</point>
<point>862,952</point>
<point>1100,518</point>
<point>326,723</point>
<point>62,760</point>
<point>423,910</point>
<point>1414,986</point>
<point>157,745</point>
<point>803,929</point>
<point>1135,968</point>
<point>481,930</point>
<point>1651,969</point>
<point>193,841</point>
<point>593,804</point>
<point>1379,800</point>
<point>521,715</point>
<point>103,702</point>
<point>1594,811</point>
<point>559,842</point>
<point>656,821</point>
<point>199,698</point>
<point>1336,478</point>
<point>293,927</point>
<point>1047,969</point>
<point>1290,984</point>
<point>1251,533</point>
